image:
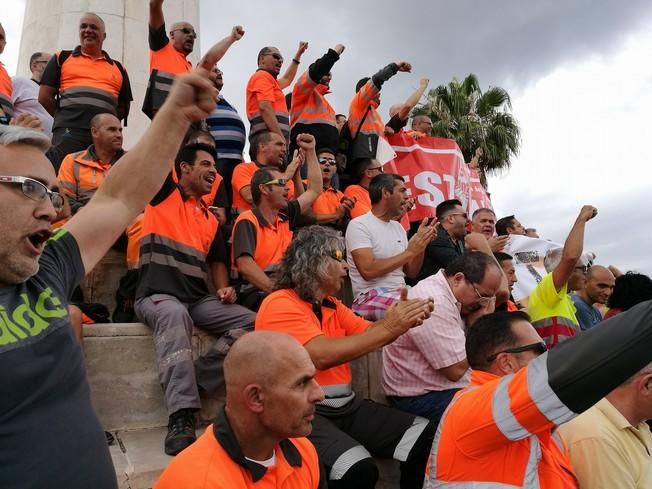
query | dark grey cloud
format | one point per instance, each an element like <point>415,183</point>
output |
<point>508,43</point>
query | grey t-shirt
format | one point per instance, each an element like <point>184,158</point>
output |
<point>49,433</point>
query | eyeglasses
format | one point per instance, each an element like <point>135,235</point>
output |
<point>463,214</point>
<point>539,348</point>
<point>187,30</point>
<point>379,168</point>
<point>480,296</point>
<point>276,56</point>
<point>330,161</point>
<point>35,190</point>
<point>337,255</point>
<point>281,182</point>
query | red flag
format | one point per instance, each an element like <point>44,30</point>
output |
<point>434,171</point>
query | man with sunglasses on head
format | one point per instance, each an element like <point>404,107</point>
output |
<point>332,207</point>
<point>49,433</point>
<point>267,109</point>
<point>500,431</point>
<point>168,55</point>
<point>262,234</point>
<point>450,238</point>
<point>550,306</point>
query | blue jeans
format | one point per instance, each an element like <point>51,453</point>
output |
<point>430,405</point>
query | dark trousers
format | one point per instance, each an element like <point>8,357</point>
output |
<point>365,429</point>
<point>430,405</point>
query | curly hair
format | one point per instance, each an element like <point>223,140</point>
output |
<point>630,289</point>
<point>305,263</point>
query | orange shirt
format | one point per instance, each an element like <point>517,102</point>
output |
<point>241,178</point>
<point>362,203</point>
<point>216,461</point>
<point>283,310</point>
<point>327,202</point>
<point>85,71</point>
<point>169,60</point>
<point>265,242</point>
<point>262,86</point>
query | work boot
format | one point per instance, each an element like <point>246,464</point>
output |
<point>181,431</point>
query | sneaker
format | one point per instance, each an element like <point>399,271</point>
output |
<point>181,431</point>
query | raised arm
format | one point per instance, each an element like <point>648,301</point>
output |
<point>413,100</point>
<point>307,143</point>
<point>219,49</point>
<point>572,247</point>
<point>156,18</point>
<point>137,176</point>
<point>323,65</point>
<point>291,71</point>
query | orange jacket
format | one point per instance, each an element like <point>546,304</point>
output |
<point>498,433</point>
<point>309,106</point>
<point>366,97</point>
<point>81,174</point>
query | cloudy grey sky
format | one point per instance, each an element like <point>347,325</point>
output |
<point>578,71</point>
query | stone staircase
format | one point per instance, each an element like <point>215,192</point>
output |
<point>129,400</point>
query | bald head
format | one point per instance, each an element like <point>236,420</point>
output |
<point>422,123</point>
<point>599,284</point>
<point>257,357</point>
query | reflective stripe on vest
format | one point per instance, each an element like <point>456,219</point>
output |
<point>258,124</point>
<point>158,89</point>
<point>337,395</point>
<point>93,98</point>
<point>309,106</point>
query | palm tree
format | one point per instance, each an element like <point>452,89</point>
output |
<point>461,111</point>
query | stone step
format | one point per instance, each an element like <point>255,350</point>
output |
<point>129,400</point>
<point>139,460</point>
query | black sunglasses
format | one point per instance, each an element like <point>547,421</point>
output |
<point>540,348</point>
<point>276,56</point>
<point>187,30</point>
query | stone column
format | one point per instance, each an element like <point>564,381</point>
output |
<point>52,25</point>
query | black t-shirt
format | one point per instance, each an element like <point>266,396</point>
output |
<point>50,436</point>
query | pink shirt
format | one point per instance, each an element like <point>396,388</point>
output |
<point>411,363</point>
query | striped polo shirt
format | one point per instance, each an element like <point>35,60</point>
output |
<point>228,130</point>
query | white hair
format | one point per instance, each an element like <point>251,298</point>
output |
<point>10,135</point>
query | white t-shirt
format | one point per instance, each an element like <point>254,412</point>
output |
<point>386,239</point>
<point>25,100</point>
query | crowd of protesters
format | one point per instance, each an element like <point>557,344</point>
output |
<point>298,262</point>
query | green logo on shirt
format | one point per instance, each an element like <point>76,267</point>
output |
<point>29,320</point>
